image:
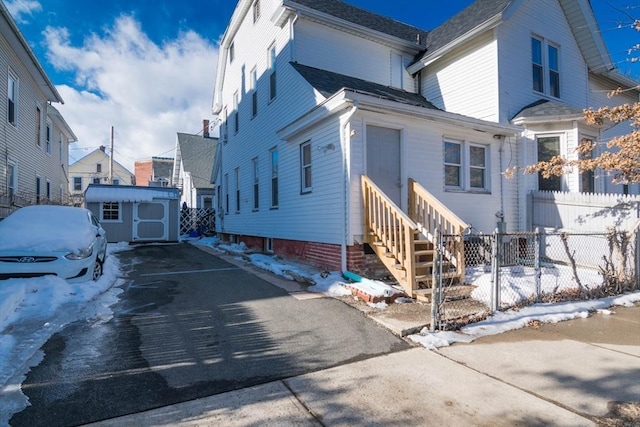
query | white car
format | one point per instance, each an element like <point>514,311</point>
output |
<point>41,240</point>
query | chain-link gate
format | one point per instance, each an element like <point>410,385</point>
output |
<point>197,221</point>
<point>504,271</point>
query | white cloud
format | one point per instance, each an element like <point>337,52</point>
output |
<point>148,92</point>
<point>19,8</point>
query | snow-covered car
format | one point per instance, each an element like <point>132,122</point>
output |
<point>41,240</point>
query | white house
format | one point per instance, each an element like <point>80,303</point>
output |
<point>342,128</point>
<point>96,168</point>
<point>34,138</point>
<point>192,169</point>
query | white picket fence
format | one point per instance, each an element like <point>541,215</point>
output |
<point>584,212</point>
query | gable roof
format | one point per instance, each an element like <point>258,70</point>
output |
<point>196,154</point>
<point>364,18</point>
<point>329,83</point>
<point>102,154</point>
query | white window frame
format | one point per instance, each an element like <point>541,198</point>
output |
<point>591,174</point>
<point>465,167</point>
<point>47,136</point>
<point>272,61</point>
<point>111,210</point>
<point>12,95</point>
<point>274,189</point>
<point>256,183</point>
<point>561,150</point>
<point>306,179</point>
<point>12,179</point>
<point>256,10</point>
<point>545,66</point>
<point>253,87</point>
<point>236,112</point>
<point>38,123</point>
<point>237,179</point>
<point>74,183</point>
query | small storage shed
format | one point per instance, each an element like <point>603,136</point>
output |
<point>136,214</point>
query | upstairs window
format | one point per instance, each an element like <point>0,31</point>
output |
<point>98,167</point>
<point>236,114</point>
<point>38,126</point>
<point>545,67</point>
<point>256,10</point>
<point>48,138</point>
<point>254,94</point>
<point>12,99</point>
<point>272,73</point>
<point>77,183</point>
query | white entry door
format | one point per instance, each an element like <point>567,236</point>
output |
<point>383,161</point>
<point>151,220</point>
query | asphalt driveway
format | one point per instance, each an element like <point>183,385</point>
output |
<point>190,324</point>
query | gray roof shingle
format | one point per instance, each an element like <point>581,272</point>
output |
<point>364,18</point>
<point>197,154</point>
<point>546,108</point>
<point>329,83</point>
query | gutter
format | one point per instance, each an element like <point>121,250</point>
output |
<point>346,150</point>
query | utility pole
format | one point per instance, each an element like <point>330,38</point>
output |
<point>111,159</point>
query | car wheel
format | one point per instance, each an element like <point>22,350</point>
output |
<point>97,270</point>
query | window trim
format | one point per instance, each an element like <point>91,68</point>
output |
<point>48,136</point>
<point>544,67</point>
<point>38,123</point>
<point>236,112</point>
<point>254,91</point>
<point>561,145</point>
<point>118,212</point>
<point>14,177</point>
<point>306,187</point>
<point>589,174</point>
<point>465,167</point>
<point>256,184</point>
<point>38,189</point>
<point>272,59</point>
<point>226,193</point>
<point>74,183</point>
<point>275,195</point>
<point>237,178</point>
<point>12,98</point>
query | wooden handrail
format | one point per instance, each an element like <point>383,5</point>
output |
<point>392,228</point>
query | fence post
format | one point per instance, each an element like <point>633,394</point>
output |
<point>495,270</point>
<point>536,264</point>
<point>436,282</point>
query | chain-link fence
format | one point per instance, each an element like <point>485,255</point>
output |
<point>197,221</point>
<point>504,271</point>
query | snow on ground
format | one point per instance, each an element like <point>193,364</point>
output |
<point>32,310</point>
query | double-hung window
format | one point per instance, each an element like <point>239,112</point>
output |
<point>305,167</point>
<point>12,99</point>
<point>465,166</point>
<point>237,173</point>
<point>236,113</point>
<point>77,183</point>
<point>272,72</point>
<point>256,184</point>
<point>254,92</point>
<point>12,178</point>
<point>38,126</point>
<point>48,138</point>
<point>274,177</point>
<point>545,67</point>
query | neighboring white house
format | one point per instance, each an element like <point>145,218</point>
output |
<point>315,94</point>
<point>192,169</point>
<point>94,168</point>
<point>34,138</point>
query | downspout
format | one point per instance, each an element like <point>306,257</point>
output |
<point>292,37</point>
<point>346,151</point>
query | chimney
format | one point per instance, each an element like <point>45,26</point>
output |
<point>102,148</point>
<point>205,128</point>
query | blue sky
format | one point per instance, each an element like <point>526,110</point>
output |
<point>147,67</point>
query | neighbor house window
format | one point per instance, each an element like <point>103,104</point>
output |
<point>236,114</point>
<point>272,73</point>
<point>305,167</point>
<point>274,178</point>
<point>115,181</point>
<point>98,167</point>
<point>226,193</point>
<point>256,10</point>
<point>256,181</point>
<point>12,99</point>
<point>77,183</point>
<point>237,173</point>
<point>96,180</point>
<point>548,147</point>
<point>254,94</point>
<point>48,138</point>
<point>465,166</point>
<point>38,126</point>
<point>110,211</point>
<point>12,178</point>
<point>545,67</point>
<point>38,190</point>
<point>587,177</point>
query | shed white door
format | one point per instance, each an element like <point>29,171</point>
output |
<point>151,220</point>
<point>383,161</point>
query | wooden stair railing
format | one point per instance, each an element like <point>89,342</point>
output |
<point>430,216</point>
<point>391,234</point>
<point>405,243</point>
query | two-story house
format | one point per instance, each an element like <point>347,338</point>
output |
<point>96,167</point>
<point>154,172</point>
<point>34,139</point>
<point>344,131</point>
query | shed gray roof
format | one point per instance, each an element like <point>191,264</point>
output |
<point>197,153</point>
<point>545,108</point>
<point>329,83</point>
<point>364,18</point>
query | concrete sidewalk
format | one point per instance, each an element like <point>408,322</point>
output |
<point>563,374</point>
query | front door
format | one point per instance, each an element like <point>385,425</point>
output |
<point>383,161</point>
<point>151,220</point>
